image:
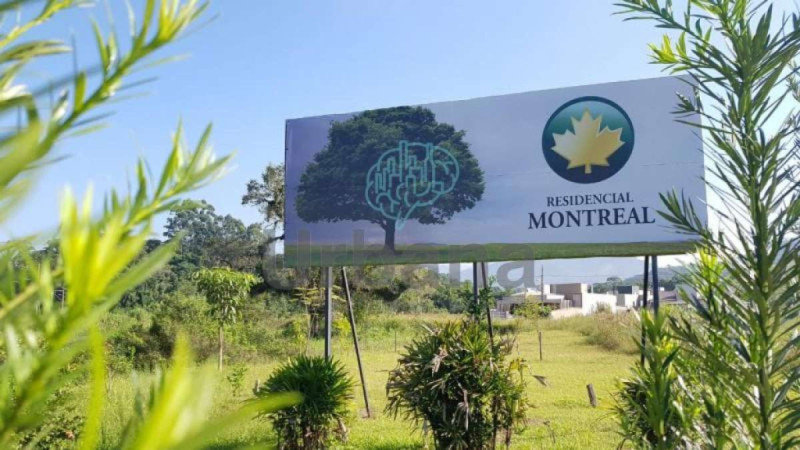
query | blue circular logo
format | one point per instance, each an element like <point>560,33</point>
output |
<point>588,140</point>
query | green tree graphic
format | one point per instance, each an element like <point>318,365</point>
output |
<point>332,186</point>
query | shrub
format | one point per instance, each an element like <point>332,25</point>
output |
<point>533,310</point>
<point>61,426</point>
<point>652,405</point>
<point>327,391</point>
<point>143,338</point>
<point>281,304</point>
<point>296,330</point>
<point>341,325</point>
<point>449,296</point>
<point>415,301</point>
<point>461,385</point>
<point>236,378</point>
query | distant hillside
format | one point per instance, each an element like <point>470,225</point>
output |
<point>664,273</point>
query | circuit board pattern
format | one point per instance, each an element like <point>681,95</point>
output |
<point>412,176</point>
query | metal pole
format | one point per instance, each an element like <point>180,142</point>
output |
<point>328,312</point>
<point>644,296</point>
<point>475,285</point>
<point>355,338</point>
<point>488,308</point>
<point>541,285</point>
<point>656,296</point>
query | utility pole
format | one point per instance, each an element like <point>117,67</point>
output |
<point>541,284</point>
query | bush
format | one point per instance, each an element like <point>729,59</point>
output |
<point>341,325</point>
<point>461,385</point>
<point>327,391</point>
<point>144,337</point>
<point>279,304</point>
<point>652,406</point>
<point>236,378</point>
<point>415,301</point>
<point>296,330</point>
<point>533,310</point>
<point>61,426</point>
<point>450,296</point>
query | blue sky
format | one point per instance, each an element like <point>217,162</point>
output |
<point>261,62</point>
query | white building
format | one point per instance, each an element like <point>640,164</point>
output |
<point>567,296</point>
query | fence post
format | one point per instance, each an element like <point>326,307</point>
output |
<point>540,346</point>
<point>592,396</point>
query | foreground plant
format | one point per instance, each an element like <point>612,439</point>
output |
<point>461,384</point>
<point>327,392</point>
<point>42,343</point>
<point>653,405</point>
<point>744,333</point>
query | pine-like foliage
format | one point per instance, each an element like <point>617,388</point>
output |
<point>741,342</point>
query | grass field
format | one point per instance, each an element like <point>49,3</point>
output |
<point>560,416</point>
<point>339,255</point>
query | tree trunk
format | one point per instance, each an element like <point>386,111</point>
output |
<point>221,339</point>
<point>388,242</point>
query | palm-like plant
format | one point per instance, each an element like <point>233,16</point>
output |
<point>462,384</point>
<point>327,392</point>
<point>741,62</point>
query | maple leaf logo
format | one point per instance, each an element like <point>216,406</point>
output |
<point>586,145</point>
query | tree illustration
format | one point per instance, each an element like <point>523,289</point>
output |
<point>332,188</point>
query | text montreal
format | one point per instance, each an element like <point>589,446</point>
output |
<point>591,218</point>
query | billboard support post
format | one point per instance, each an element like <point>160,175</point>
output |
<point>355,338</point>
<point>656,297</point>
<point>488,307</point>
<point>644,297</point>
<point>475,284</point>
<point>328,312</point>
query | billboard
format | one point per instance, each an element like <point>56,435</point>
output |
<point>562,173</point>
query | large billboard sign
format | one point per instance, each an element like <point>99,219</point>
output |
<point>562,173</point>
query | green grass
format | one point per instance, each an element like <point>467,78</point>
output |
<point>302,256</point>
<point>615,332</point>
<point>560,417</point>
